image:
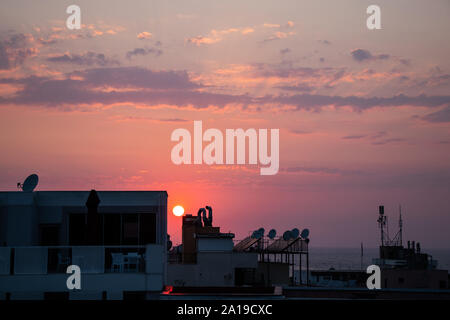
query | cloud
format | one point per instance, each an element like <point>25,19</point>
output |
<point>173,120</point>
<point>320,170</point>
<point>51,35</point>
<point>289,24</point>
<point>386,141</point>
<point>144,35</point>
<point>379,138</point>
<point>247,30</point>
<point>326,42</point>
<point>438,116</point>
<point>4,59</point>
<point>271,25</point>
<point>405,62</point>
<point>357,103</point>
<point>279,35</point>
<point>136,77</point>
<point>362,55</point>
<point>299,132</point>
<point>200,40</point>
<point>108,86</point>
<point>122,118</point>
<point>135,85</point>
<point>379,134</point>
<point>15,50</point>
<point>143,52</point>
<point>298,88</point>
<point>85,59</point>
<point>351,137</point>
<point>215,36</point>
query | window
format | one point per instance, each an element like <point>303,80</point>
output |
<point>130,229</point>
<point>111,229</point>
<point>147,228</point>
<point>114,229</point>
<point>244,276</point>
<point>77,229</point>
<point>49,234</point>
<point>58,259</point>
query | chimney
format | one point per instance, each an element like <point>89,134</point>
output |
<point>189,228</point>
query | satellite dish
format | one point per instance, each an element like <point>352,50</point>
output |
<point>295,233</point>
<point>305,233</point>
<point>287,235</point>
<point>30,183</point>
<point>272,233</point>
<point>258,234</point>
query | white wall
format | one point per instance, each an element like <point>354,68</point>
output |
<point>214,244</point>
<point>211,269</point>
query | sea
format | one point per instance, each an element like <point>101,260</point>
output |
<point>321,258</point>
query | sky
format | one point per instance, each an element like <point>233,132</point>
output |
<point>363,115</point>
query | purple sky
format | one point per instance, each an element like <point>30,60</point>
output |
<point>364,115</point>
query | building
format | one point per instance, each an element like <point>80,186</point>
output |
<point>209,258</point>
<point>339,278</point>
<point>117,238</point>
<point>406,268</point>
<point>206,257</point>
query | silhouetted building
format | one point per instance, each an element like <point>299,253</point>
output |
<point>206,257</point>
<point>406,267</point>
<point>117,238</point>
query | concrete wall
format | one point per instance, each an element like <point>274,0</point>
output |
<point>273,273</point>
<point>30,279</point>
<point>420,279</point>
<point>212,269</point>
<point>21,213</point>
<point>214,244</point>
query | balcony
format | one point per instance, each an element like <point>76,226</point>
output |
<point>91,259</point>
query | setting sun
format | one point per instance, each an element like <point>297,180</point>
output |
<point>178,211</point>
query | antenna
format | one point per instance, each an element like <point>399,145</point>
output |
<point>400,225</point>
<point>381,222</point>
<point>295,233</point>
<point>29,184</point>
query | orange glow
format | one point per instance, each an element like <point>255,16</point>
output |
<point>178,211</point>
